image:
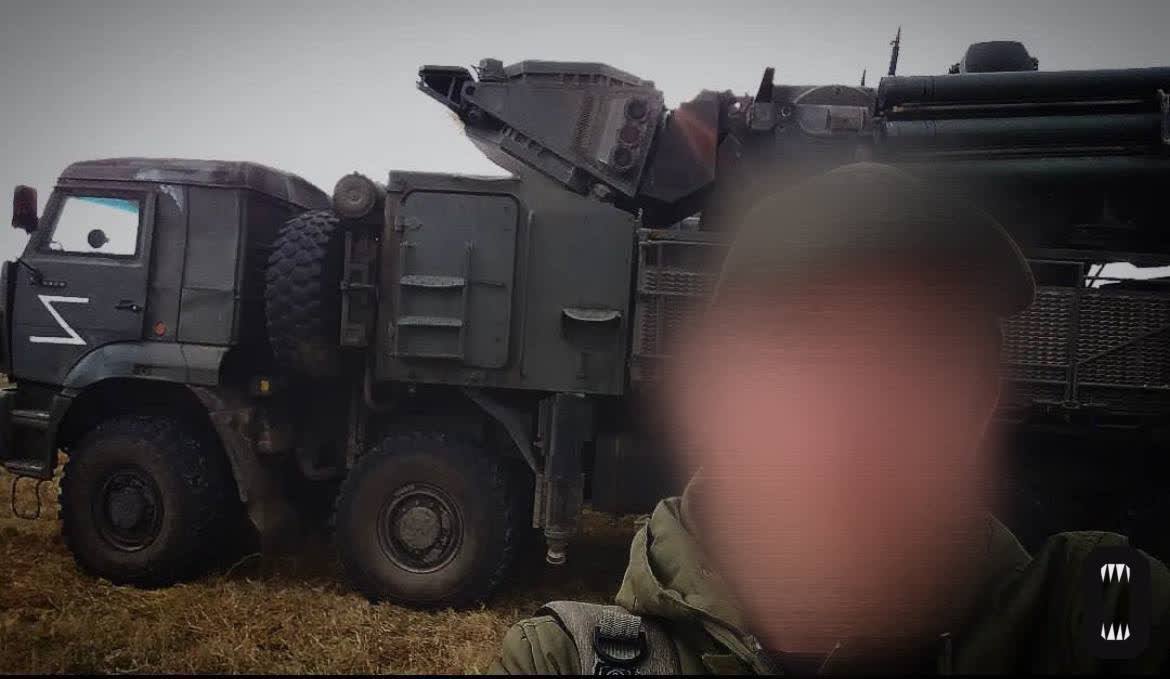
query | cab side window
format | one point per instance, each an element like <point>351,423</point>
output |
<point>96,225</point>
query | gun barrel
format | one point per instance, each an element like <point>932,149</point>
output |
<point>1063,130</point>
<point>1025,86</point>
<point>1054,170</point>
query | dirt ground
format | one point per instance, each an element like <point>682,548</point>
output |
<point>288,614</point>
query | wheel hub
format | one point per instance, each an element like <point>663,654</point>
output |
<point>420,528</point>
<point>128,509</point>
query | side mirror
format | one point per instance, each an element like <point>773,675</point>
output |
<point>97,238</point>
<point>24,208</point>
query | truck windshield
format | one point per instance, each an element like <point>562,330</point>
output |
<point>116,218</point>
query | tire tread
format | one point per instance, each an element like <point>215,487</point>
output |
<point>490,472</point>
<point>302,303</point>
<point>204,474</point>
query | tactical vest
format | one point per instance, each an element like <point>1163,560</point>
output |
<point>611,640</point>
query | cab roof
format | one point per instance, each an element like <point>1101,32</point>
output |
<point>283,186</point>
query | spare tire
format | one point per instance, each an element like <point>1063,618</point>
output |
<point>302,297</point>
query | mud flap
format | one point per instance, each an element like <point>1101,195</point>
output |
<point>276,521</point>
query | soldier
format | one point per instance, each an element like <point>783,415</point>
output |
<point>838,399</point>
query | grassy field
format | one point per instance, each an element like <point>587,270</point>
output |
<point>289,614</point>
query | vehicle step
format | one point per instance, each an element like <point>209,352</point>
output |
<point>35,419</point>
<point>35,469</point>
<point>429,281</point>
<point>430,322</point>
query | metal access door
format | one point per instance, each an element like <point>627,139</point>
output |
<point>453,293</point>
<point>85,283</point>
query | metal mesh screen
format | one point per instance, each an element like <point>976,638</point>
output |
<point>1036,343</point>
<point>1124,339</point>
<point>1106,347</point>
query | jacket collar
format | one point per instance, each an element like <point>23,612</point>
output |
<point>667,578</point>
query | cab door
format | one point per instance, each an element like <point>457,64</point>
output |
<point>86,280</point>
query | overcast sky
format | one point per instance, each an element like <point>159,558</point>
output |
<point>325,88</point>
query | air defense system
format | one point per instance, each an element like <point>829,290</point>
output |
<point>460,361</point>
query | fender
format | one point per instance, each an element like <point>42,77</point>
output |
<point>186,364</point>
<point>228,410</point>
<point>168,361</point>
<point>274,517</point>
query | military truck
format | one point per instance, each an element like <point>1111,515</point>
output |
<point>457,361</point>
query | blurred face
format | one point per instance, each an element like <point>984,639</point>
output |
<point>837,427</point>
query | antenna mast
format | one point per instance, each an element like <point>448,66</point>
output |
<point>895,45</point>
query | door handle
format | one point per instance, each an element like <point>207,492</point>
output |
<point>127,305</point>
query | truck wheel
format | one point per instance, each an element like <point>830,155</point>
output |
<point>428,520</point>
<point>302,300</point>
<point>146,501</point>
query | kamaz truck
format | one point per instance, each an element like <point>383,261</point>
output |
<point>445,364</point>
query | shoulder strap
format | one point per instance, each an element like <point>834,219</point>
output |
<point>611,640</point>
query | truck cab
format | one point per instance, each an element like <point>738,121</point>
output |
<point>139,295</point>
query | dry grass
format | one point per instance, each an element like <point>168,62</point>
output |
<point>265,615</point>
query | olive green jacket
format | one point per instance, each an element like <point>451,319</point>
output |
<point>1027,617</point>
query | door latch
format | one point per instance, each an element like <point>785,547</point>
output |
<point>127,305</point>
